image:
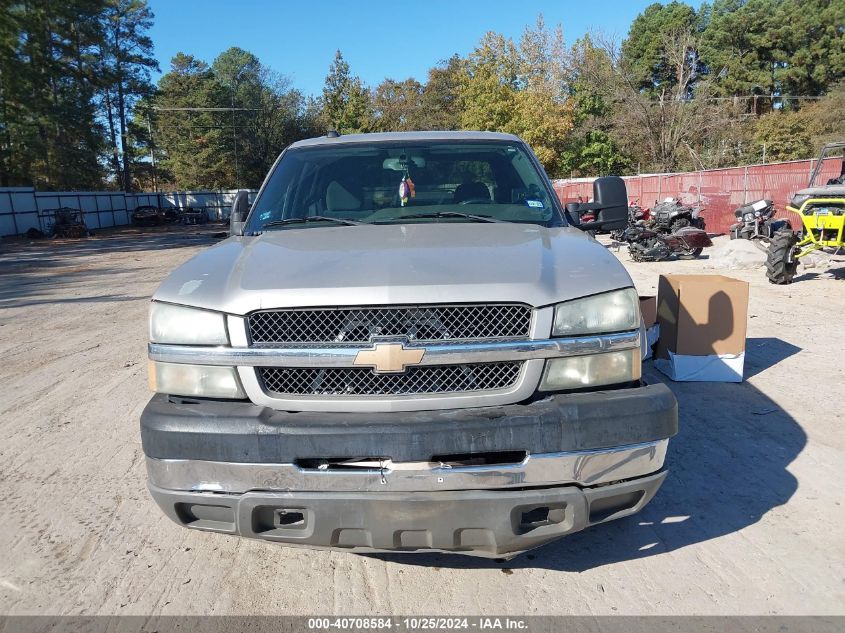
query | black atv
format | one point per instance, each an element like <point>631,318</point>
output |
<point>670,215</point>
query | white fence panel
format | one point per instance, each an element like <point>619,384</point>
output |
<point>20,206</point>
<point>18,210</point>
<point>122,212</point>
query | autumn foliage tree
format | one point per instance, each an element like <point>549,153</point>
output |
<point>687,87</point>
<point>520,89</point>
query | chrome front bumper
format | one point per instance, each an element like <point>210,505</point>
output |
<point>499,510</point>
<point>572,460</point>
<point>583,468</point>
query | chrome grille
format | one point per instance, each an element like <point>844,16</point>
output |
<point>417,323</point>
<point>355,381</point>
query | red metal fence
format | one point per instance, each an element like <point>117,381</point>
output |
<point>718,191</point>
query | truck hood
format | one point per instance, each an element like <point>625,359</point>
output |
<point>395,264</point>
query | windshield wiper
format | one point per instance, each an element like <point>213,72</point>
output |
<point>444,214</point>
<point>310,218</point>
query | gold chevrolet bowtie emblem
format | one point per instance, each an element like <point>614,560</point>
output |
<point>389,357</point>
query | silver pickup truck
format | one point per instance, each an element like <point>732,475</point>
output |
<point>407,344</point>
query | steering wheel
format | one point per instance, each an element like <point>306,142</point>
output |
<point>475,201</point>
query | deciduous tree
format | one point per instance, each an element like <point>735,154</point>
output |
<point>440,108</point>
<point>397,105</point>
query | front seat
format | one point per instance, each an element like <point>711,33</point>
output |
<point>340,200</point>
<point>471,191</point>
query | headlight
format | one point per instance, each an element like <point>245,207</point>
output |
<point>204,381</point>
<point>616,311</point>
<point>596,370</point>
<point>181,325</point>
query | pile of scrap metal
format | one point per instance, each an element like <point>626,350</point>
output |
<point>64,222</point>
<point>194,216</point>
<point>670,229</point>
<point>148,215</point>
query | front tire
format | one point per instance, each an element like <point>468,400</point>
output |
<point>693,254</point>
<point>781,264</point>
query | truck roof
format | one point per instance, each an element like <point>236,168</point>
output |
<point>409,137</point>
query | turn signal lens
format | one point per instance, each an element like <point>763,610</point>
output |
<point>595,370</point>
<point>204,381</point>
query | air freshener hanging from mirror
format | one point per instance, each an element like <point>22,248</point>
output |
<point>406,190</point>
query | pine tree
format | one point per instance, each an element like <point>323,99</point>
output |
<point>345,102</point>
<point>50,135</point>
<point>644,50</point>
<point>127,59</point>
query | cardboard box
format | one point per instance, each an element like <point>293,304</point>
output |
<point>702,322</point>
<point>648,309</point>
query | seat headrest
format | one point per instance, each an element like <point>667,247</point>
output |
<point>471,191</point>
<point>339,198</point>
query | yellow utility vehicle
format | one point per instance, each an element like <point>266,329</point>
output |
<point>822,212</point>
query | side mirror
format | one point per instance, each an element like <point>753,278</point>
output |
<point>573,213</point>
<point>240,209</point>
<point>610,204</point>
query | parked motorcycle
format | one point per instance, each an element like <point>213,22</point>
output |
<point>670,215</point>
<point>647,245</point>
<point>636,215</point>
<point>755,221</point>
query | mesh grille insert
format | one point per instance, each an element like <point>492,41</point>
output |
<point>417,323</point>
<point>363,381</point>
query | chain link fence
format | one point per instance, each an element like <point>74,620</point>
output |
<point>718,191</point>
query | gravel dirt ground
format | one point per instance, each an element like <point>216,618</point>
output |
<point>748,522</point>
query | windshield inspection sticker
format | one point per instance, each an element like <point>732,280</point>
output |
<point>264,216</point>
<point>534,204</point>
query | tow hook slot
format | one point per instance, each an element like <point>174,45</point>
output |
<point>286,518</point>
<point>530,518</point>
<point>271,521</point>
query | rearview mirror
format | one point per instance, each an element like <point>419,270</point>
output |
<point>610,205</point>
<point>402,162</point>
<point>240,209</point>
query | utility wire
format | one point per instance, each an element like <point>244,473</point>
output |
<point>206,109</point>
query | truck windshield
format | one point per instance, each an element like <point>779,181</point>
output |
<point>387,183</point>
